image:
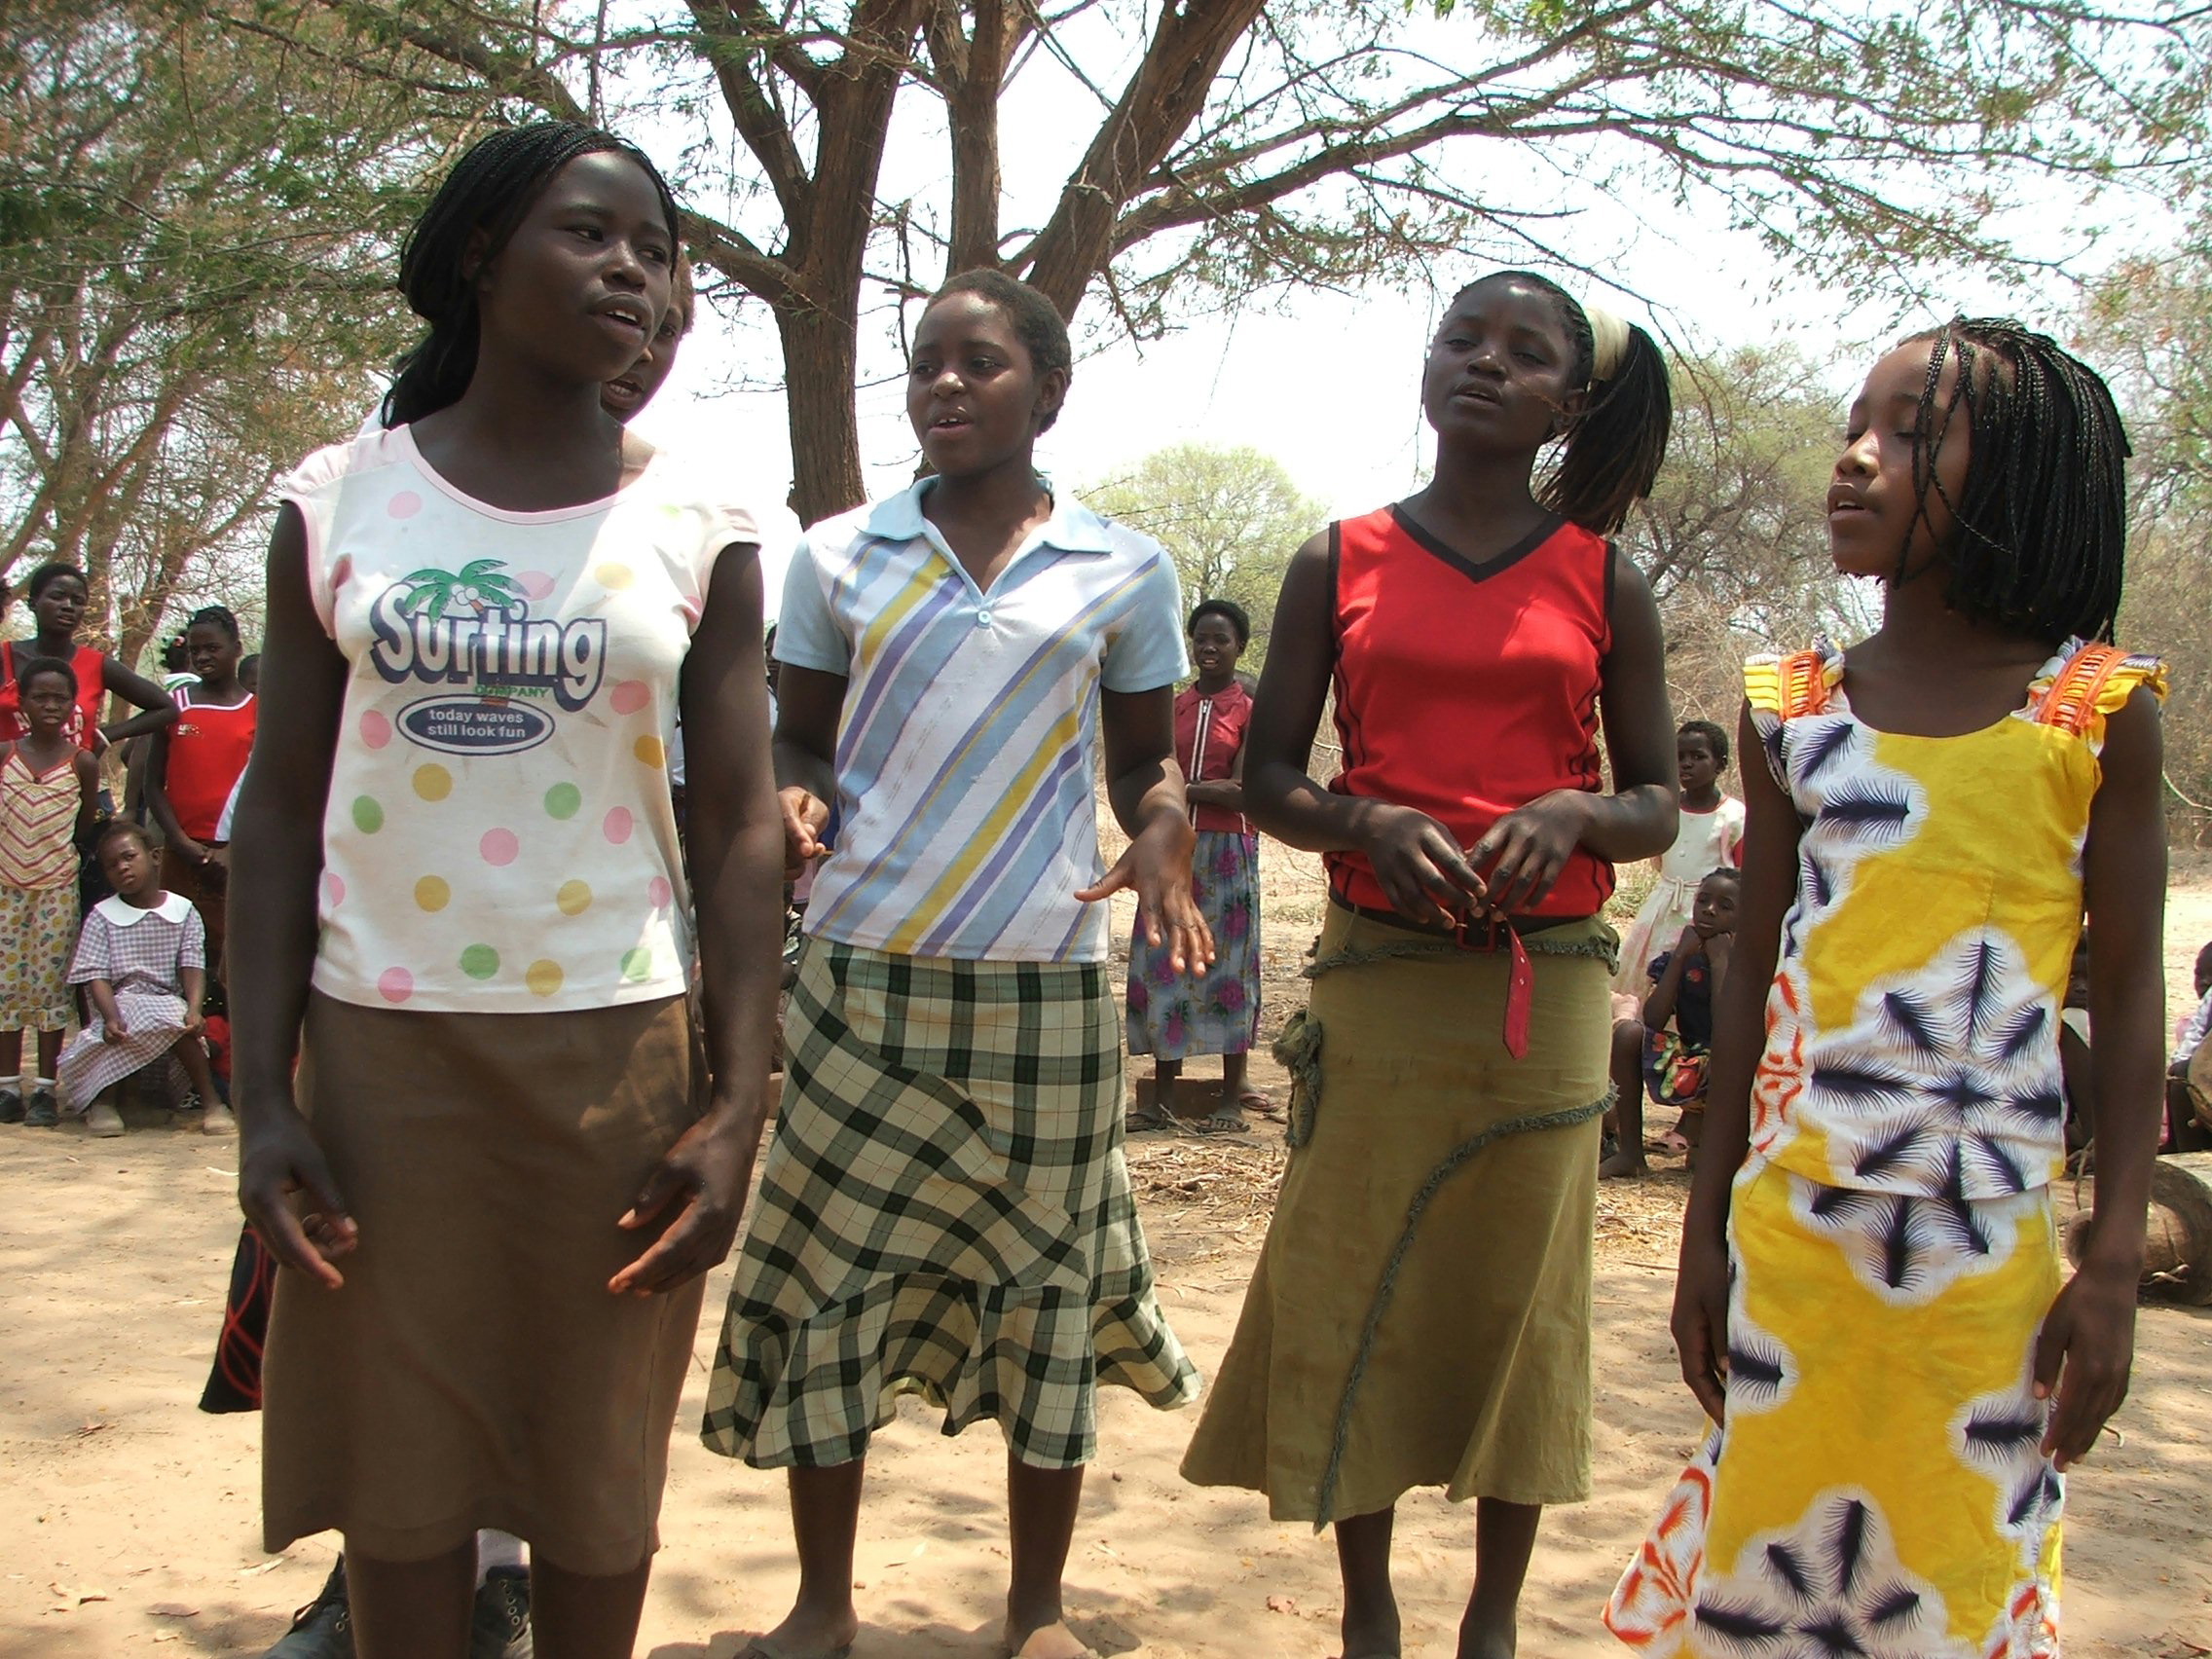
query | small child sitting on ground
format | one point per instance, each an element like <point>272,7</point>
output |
<point>1678,1025</point>
<point>2189,1079</point>
<point>143,959</point>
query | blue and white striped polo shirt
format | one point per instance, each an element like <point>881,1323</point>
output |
<point>968,748</point>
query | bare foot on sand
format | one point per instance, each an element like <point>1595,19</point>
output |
<point>809,1633</point>
<point>1046,1641</point>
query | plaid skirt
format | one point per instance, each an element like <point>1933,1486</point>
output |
<point>945,1211</point>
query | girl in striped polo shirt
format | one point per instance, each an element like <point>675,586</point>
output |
<point>945,1210</point>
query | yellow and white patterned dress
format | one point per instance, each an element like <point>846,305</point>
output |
<point>1879,1487</point>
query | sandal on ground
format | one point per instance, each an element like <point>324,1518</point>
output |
<point>1669,1143</point>
<point>1258,1105</point>
<point>1141,1119</point>
<point>1229,1120</point>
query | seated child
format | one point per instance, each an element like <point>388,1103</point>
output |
<point>2189,1078</point>
<point>143,959</point>
<point>1676,1027</point>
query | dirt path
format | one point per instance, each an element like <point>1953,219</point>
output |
<point>128,1520</point>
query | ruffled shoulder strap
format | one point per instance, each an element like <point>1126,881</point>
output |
<point>1781,687</point>
<point>2082,684</point>
<point>1799,683</point>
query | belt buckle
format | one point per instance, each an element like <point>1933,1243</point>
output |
<point>1465,941</point>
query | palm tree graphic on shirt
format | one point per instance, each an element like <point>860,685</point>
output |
<point>472,591</point>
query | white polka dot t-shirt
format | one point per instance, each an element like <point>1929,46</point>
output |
<point>499,837</point>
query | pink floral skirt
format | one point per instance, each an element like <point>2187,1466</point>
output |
<point>1174,1016</point>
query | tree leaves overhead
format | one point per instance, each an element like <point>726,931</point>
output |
<point>1231,518</point>
<point>1221,153</point>
<point>2150,327</point>
<point>1733,536</point>
<point>198,229</point>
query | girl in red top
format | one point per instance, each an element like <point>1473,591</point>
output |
<point>57,596</point>
<point>1173,1015</point>
<point>1421,1311</point>
<point>192,769</point>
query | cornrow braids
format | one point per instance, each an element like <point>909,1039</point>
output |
<point>216,616</point>
<point>2042,516</point>
<point>1612,450</point>
<point>489,189</point>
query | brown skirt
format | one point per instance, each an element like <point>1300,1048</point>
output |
<point>473,1371</point>
<point>1421,1314</point>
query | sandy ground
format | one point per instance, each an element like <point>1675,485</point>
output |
<point>128,1520</point>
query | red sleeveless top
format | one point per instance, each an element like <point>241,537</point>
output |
<point>1466,690</point>
<point>208,747</point>
<point>90,664</point>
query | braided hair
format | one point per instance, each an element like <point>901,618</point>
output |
<point>1035,320</point>
<point>2043,517</point>
<point>218,616</point>
<point>489,190</point>
<point>1612,449</point>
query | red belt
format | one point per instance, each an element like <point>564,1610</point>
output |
<point>1484,934</point>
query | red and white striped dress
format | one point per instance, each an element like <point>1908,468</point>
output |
<point>38,890</point>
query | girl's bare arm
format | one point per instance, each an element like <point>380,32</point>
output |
<point>273,921</point>
<point>2087,1343</point>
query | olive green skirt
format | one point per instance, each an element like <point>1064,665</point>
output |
<point>1420,1317</point>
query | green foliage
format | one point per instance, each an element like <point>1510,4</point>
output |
<point>1244,150</point>
<point>2149,328</point>
<point>1733,537</point>
<point>195,284</point>
<point>1232,518</point>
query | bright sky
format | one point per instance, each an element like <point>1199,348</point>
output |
<point>1326,383</point>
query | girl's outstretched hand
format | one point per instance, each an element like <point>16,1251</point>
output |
<point>1700,1322</point>
<point>1427,879</point>
<point>2084,1355</point>
<point>1157,866</point>
<point>707,1169</point>
<point>1522,852</point>
<point>277,1157</point>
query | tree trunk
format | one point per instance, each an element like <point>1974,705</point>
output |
<point>1156,108</point>
<point>820,357</point>
<point>974,67</point>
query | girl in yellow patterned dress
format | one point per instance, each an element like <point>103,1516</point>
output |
<point>1869,1304</point>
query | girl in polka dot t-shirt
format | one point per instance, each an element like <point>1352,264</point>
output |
<point>504,1162</point>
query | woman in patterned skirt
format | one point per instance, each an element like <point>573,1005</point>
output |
<point>1174,1016</point>
<point>47,795</point>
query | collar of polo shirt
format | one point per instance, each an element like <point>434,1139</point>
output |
<point>1073,526</point>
